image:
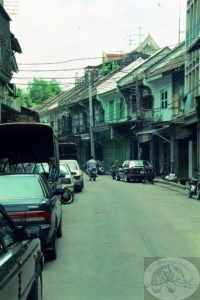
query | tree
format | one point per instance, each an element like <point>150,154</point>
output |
<point>38,91</point>
<point>24,98</point>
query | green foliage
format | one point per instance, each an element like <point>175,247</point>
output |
<point>24,98</point>
<point>108,67</point>
<point>38,91</point>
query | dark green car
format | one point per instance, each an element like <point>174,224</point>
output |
<point>21,261</point>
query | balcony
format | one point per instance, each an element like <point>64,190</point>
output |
<point>193,36</point>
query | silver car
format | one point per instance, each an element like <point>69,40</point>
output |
<point>68,179</point>
<point>76,172</point>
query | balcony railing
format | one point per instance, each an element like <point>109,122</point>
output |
<point>193,34</point>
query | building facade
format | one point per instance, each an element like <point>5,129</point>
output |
<point>8,46</point>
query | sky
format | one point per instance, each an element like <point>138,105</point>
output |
<point>58,35</point>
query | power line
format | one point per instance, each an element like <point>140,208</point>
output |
<point>81,59</point>
<point>83,68</point>
<point>60,62</point>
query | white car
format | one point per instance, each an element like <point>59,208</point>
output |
<point>67,179</point>
<point>76,172</point>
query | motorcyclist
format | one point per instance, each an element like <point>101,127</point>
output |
<point>91,168</point>
<point>91,163</point>
<point>114,168</point>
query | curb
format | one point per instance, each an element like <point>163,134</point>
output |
<point>174,184</point>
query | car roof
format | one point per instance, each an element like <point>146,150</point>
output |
<point>62,163</point>
<point>69,160</point>
<point>66,160</point>
<point>21,175</point>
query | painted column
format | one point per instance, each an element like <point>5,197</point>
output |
<point>190,160</point>
<point>198,147</point>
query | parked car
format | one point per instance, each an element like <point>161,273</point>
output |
<point>29,199</point>
<point>76,172</point>
<point>67,183</point>
<point>21,261</point>
<point>136,170</point>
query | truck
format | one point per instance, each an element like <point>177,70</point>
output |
<point>23,145</point>
<point>68,151</point>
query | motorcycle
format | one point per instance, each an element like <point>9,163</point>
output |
<point>92,173</point>
<point>113,171</point>
<point>100,168</point>
<point>194,188</point>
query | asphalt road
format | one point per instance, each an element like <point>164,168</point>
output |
<point>109,234</point>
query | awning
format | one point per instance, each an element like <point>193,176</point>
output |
<point>146,136</point>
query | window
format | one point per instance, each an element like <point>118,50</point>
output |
<point>111,110</point>
<point>23,187</point>
<point>164,99</point>
<point>120,109</point>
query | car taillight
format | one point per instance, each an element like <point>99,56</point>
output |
<point>66,180</point>
<point>31,216</point>
<point>133,170</point>
<point>77,177</point>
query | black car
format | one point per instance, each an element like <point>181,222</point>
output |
<point>21,261</point>
<point>136,170</point>
<point>30,201</point>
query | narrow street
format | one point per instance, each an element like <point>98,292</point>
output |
<point>109,230</point>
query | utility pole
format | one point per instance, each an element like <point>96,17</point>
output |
<point>92,151</point>
<point>137,114</point>
<point>179,24</point>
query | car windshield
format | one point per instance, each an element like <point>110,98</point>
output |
<point>136,163</point>
<point>19,187</point>
<point>64,170</point>
<point>72,165</point>
<point>40,168</point>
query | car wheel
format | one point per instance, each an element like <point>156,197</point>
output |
<point>126,179</point>
<point>117,177</point>
<point>36,289</point>
<point>79,188</point>
<point>190,194</point>
<point>52,253</point>
<point>59,230</point>
<point>67,198</point>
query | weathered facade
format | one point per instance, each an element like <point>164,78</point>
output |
<point>73,111</point>
<point>192,86</point>
<point>146,110</point>
<point>8,46</point>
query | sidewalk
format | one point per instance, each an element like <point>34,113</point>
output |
<point>170,183</point>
